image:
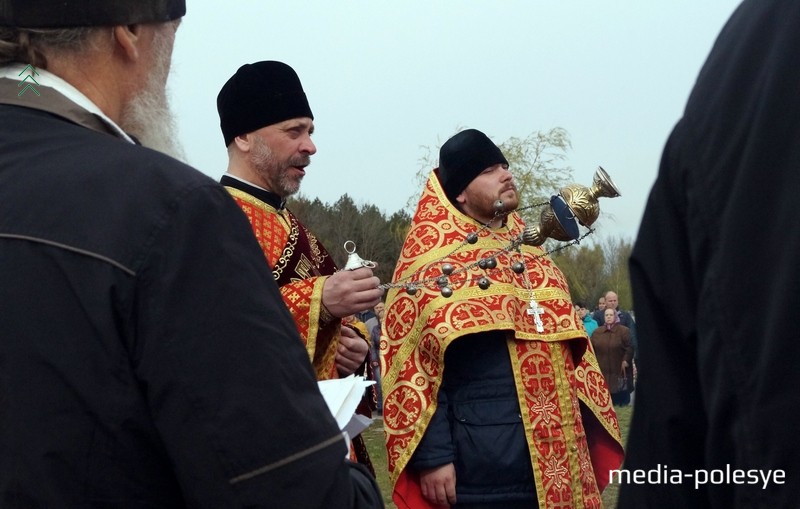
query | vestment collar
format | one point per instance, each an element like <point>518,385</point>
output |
<point>248,187</point>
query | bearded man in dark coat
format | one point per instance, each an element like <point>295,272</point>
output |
<point>134,372</point>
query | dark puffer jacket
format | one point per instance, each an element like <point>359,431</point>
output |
<point>477,425</point>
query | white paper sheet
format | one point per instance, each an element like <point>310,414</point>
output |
<point>342,396</point>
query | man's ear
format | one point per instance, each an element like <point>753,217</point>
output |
<point>127,38</point>
<point>243,142</point>
<point>461,199</point>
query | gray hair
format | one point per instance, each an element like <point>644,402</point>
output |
<point>32,45</point>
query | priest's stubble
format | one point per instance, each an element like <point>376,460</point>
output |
<point>276,173</point>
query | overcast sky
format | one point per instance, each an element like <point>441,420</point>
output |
<point>386,79</point>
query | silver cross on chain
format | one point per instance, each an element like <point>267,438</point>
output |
<point>537,312</point>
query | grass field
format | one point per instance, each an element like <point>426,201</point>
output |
<point>373,436</point>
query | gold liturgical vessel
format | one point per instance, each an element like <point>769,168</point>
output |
<point>573,202</point>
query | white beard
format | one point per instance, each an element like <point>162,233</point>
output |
<point>148,116</point>
<point>149,119</point>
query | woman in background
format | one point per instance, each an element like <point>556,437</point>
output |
<point>614,352</point>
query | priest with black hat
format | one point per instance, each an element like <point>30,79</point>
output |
<point>134,373</point>
<point>491,393</point>
<point>267,124</point>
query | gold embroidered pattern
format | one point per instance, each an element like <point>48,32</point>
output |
<point>278,233</point>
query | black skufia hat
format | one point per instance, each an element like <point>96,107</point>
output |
<point>258,95</point>
<point>87,13</point>
<point>463,157</point>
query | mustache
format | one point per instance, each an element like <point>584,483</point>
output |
<point>303,160</point>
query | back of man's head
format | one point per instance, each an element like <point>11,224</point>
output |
<point>30,30</point>
<point>87,13</point>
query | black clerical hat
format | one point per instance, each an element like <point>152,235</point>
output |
<point>86,13</point>
<point>258,95</point>
<point>463,157</point>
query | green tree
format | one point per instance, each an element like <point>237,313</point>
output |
<point>343,223</point>
<point>617,252</point>
<point>584,266</point>
<point>377,238</point>
<point>397,228</point>
<point>597,266</point>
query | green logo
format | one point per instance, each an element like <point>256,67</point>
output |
<point>28,77</point>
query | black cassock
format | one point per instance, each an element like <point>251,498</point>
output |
<point>718,253</point>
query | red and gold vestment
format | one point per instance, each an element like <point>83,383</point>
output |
<point>570,425</point>
<point>300,265</point>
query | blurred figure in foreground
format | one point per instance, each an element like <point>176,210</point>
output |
<point>718,246</point>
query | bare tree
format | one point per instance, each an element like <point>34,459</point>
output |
<point>585,269</point>
<point>617,253</point>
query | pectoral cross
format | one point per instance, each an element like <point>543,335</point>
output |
<point>537,312</point>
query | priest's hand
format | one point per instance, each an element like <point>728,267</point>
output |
<point>351,351</point>
<point>348,292</point>
<point>439,484</point>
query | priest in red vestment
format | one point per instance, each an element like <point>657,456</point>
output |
<point>267,125</point>
<point>492,395</point>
